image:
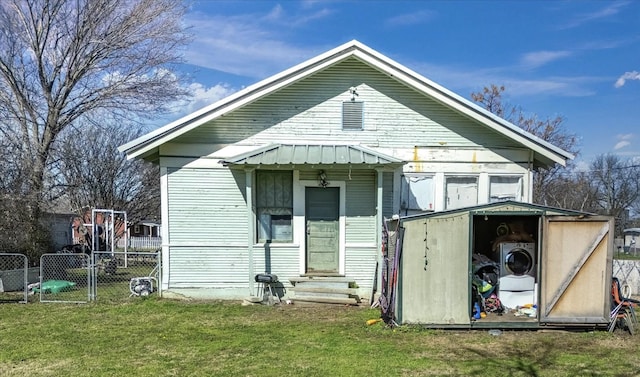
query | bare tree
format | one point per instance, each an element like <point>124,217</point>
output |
<point>67,63</point>
<point>548,183</point>
<point>92,173</point>
<point>617,185</point>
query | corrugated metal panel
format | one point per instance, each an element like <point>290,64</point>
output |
<point>395,116</point>
<point>434,275</point>
<point>202,201</point>
<point>503,207</point>
<point>285,154</point>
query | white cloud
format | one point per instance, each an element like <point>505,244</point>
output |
<point>633,75</point>
<point>250,44</point>
<point>581,165</point>
<point>623,141</point>
<point>201,96</point>
<point>610,10</point>
<point>540,58</point>
<point>621,144</point>
<point>625,136</point>
<point>467,79</point>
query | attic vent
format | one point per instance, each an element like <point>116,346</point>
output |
<point>352,115</point>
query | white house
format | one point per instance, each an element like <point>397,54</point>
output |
<point>294,174</point>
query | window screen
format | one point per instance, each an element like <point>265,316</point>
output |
<point>274,205</point>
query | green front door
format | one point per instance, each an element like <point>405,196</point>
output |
<point>322,211</point>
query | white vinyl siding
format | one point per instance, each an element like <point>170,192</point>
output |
<point>394,116</point>
<point>361,208</point>
<point>207,228</point>
<point>204,201</point>
<point>387,194</point>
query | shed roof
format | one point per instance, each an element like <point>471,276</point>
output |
<point>147,146</point>
<point>295,154</point>
<point>503,206</point>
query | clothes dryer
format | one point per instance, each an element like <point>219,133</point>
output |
<point>518,259</point>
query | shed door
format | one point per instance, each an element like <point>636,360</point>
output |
<point>576,270</point>
<point>323,229</point>
<point>434,275</point>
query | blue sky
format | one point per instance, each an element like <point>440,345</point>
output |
<point>576,59</point>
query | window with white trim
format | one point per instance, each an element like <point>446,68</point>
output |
<point>274,205</point>
<point>461,192</point>
<point>416,193</point>
<point>503,188</point>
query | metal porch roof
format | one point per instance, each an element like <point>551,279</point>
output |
<point>297,154</point>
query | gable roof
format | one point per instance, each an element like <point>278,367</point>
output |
<point>147,145</point>
<point>295,154</point>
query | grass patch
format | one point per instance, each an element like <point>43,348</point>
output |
<point>160,337</point>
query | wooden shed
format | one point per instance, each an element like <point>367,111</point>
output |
<point>544,266</point>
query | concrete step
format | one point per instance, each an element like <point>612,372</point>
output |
<point>342,291</point>
<point>326,300</point>
<point>324,289</point>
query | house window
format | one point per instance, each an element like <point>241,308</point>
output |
<point>416,193</point>
<point>352,115</point>
<point>274,205</point>
<point>503,188</point>
<point>136,229</point>
<point>461,192</point>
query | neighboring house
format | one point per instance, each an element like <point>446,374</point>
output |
<point>59,226</point>
<point>293,175</point>
<point>144,228</point>
<point>98,228</point>
<point>631,237</point>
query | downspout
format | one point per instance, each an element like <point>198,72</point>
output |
<point>250,227</point>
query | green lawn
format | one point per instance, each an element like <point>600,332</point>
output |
<point>161,337</point>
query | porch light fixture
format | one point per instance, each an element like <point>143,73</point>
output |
<point>322,178</point>
<point>354,93</point>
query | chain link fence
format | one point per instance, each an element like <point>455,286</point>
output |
<point>121,275</point>
<point>104,276</point>
<point>64,277</point>
<point>15,276</point>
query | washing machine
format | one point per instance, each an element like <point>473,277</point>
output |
<point>517,283</point>
<point>518,259</point>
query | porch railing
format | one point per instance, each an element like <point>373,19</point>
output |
<point>138,243</point>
